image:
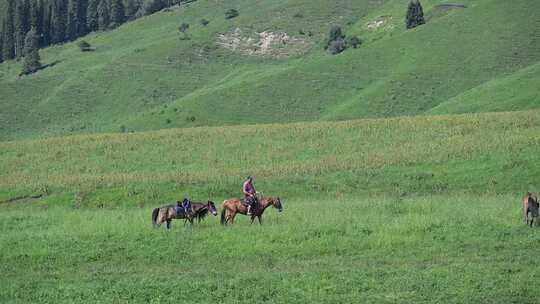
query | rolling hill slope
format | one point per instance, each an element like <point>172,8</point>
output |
<point>144,77</point>
<point>488,153</point>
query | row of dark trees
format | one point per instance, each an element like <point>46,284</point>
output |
<point>59,21</point>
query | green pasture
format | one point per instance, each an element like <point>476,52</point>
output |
<point>441,248</point>
<point>406,210</point>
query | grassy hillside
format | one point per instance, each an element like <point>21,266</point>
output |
<point>403,210</point>
<point>144,77</point>
<point>481,153</point>
<point>516,92</point>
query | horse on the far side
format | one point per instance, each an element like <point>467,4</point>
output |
<point>530,205</point>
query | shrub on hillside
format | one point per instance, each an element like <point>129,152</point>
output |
<point>231,13</point>
<point>85,46</point>
<point>337,42</point>
<point>183,29</point>
<point>335,34</point>
<point>204,22</point>
<point>353,42</point>
<point>337,46</point>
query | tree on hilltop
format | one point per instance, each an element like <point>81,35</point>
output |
<point>72,20</point>
<point>103,15</point>
<point>21,26</point>
<point>415,14</point>
<point>1,44</point>
<point>92,16</point>
<point>8,33</point>
<point>58,21</point>
<point>31,62</point>
<point>118,12</point>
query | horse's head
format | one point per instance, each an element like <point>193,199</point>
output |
<point>212,207</point>
<point>276,202</point>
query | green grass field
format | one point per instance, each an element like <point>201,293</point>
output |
<point>400,164</point>
<point>405,210</point>
<point>443,249</point>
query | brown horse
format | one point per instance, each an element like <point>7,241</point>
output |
<point>233,206</point>
<point>530,205</point>
<point>168,213</point>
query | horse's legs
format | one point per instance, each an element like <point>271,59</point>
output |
<point>232,217</point>
<point>168,223</point>
<point>259,217</point>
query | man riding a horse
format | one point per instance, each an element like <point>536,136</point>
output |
<point>250,195</point>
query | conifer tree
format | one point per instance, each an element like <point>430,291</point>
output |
<point>31,62</point>
<point>8,47</point>
<point>1,43</point>
<point>419,13</point>
<point>58,21</point>
<point>34,13</point>
<point>21,26</point>
<point>131,9</point>
<point>46,25</point>
<point>103,15</point>
<point>37,17</point>
<point>415,15</point>
<point>81,26</point>
<point>118,14</point>
<point>92,16</point>
<point>72,27</point>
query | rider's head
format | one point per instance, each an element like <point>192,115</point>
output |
<point>249,178</point>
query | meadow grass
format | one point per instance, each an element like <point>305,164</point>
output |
<point>418,155</point>
<point>403,210</point>
<point>444,249</point>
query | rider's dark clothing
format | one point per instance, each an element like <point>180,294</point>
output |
<point>249,192</point>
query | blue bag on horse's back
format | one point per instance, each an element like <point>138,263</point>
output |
<point>179,210</point>
<point>182,207</point>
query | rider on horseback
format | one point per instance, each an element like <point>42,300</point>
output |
<point>249,194</point>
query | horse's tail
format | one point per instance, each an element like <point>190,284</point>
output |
<point>154,216</point>
<point>223,216</point>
